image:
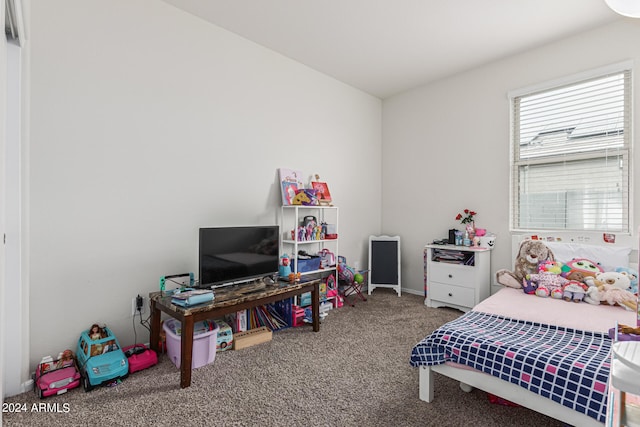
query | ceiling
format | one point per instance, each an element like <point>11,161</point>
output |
<point>385,47</point>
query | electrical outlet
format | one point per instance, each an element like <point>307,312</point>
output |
<point>134,305</point>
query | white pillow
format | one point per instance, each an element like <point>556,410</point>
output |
<point>607,257</point>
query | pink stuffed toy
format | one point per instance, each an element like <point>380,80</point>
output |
<point>555,267</point>
<point>546,284</point>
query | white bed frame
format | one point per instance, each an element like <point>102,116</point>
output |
<point>512,392</point>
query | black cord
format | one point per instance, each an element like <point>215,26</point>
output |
<point>145,322</point>
<point>133,323</point>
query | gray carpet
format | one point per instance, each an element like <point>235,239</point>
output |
<point>354,372</point>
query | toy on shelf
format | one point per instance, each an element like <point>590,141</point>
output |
<point>322,191</point>
<point>294,278</point>
<point>285,267</point>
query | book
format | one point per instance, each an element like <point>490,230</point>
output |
<point>192,292</point>
<point>241,321</point>
<point>192,297</point>
<point>322,192</point>
<point>291,181</point>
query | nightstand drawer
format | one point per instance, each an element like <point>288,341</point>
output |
<point>453,274</point>
<point>452,294</point>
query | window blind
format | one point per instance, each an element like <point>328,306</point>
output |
<point>570,163</point>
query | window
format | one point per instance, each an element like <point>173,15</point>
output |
<point>570,154</point>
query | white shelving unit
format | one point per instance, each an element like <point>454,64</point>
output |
<point>291,218</point>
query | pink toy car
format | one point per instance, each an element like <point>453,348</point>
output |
<point>56,376</point>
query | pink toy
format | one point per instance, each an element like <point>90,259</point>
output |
<point>581,268</point>
<point>140,357</point>
<point>547,284</point>
<point>555,267</point>
<point>56,377</point>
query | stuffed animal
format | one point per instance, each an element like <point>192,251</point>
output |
<point>612,288</point>
<point>301,198</point>
<point>530,254</point>
<point>546,284</point>
<point>306,197</point>
<point>582,268</point>
<point>633,277</point>
<point>574,291</point>
<point>555,267</point>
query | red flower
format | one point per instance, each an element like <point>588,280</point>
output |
<point>467,218</point>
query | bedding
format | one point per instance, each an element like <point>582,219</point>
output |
<point>559,350</point>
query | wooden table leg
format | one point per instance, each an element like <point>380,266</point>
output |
<point>154,340</point>
<point>315,307</point>
<point>186,351</point>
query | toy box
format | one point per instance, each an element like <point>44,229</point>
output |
<point>252,337</point>
<point>53,377</point>
<point>205,335</point>
<point>325,306</point>
<point>309,264</point>
<point>622,336</point>
<point>225,336</point>
<point>140,357</point>
<point>305,299</point>
<point>298,316</point>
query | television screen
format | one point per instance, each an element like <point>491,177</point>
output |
<point>230,255</point>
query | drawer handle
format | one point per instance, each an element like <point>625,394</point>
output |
<point>450,294</point>
<point>451,276</point>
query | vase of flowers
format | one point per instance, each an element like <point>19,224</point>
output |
<point>467,219</point>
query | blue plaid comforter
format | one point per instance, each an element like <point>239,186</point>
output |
<point>568,366</point>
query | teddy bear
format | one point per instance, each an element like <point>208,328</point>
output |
<point>530,254</point>
<point>633,277</point>
<point>611,287</point>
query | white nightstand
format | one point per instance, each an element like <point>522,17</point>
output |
<point>457,276</point>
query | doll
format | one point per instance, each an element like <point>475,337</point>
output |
<point>96,332</point>
<point>65,359</point>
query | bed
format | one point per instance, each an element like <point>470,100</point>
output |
<point>549,355</point>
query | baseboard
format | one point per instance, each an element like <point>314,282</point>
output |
<point>27,386</point>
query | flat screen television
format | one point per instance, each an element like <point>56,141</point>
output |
<point>230,255</point>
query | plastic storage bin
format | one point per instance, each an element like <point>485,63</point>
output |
<point>205,335</point>
<point>310,264</point>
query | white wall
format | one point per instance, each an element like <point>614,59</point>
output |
<point>446,145</point>
<point>147,123</point>
<point>3,101</point>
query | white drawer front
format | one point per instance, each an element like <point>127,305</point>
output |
<point>453,274</point>
<point>452,294</point>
